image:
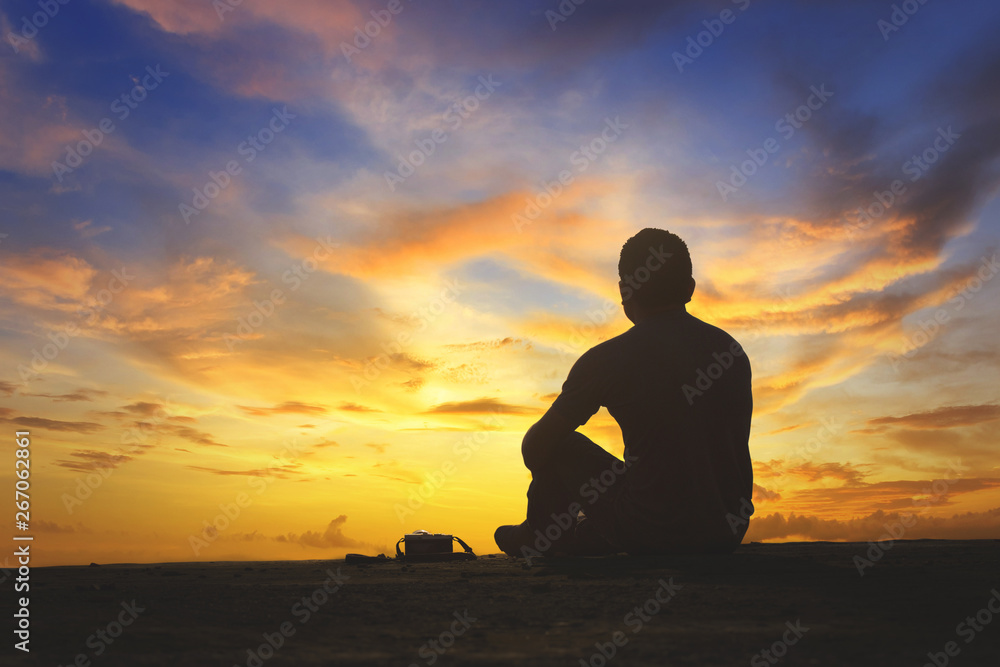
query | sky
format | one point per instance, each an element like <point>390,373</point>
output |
<point>289,280</point>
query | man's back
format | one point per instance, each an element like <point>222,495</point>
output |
<point>680,390</point>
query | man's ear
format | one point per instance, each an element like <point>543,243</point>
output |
<point>692,286</point>
<point>625,291</point>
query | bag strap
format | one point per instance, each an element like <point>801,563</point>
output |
<point>465,546</point>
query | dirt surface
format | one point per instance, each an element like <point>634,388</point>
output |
<point>803,603</point>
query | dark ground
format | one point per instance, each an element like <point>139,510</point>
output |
<point>726,611</point>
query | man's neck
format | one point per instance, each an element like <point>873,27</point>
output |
<point>646,314</point>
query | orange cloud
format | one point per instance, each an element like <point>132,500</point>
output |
<point>78,395</point>
<point>188,433</point>
<point>481,406</point>
<point>947,417</point>
<point>282,471</point>
<point>331,538</point>
<point>89,460</point>
<point>288,407</point>
<point>762,494</point>
<point>348,406</point>
<point>967,526</point>
<point>815,472</point>
<point>47,279</point>
<point>56,425</point>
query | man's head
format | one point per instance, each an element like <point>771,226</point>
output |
<point>654,272</point>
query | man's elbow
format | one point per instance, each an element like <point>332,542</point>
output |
<point>531,449</point>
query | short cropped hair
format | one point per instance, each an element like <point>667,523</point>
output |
<point>656,266</point>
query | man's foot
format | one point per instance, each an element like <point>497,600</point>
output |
<point>510,539</point>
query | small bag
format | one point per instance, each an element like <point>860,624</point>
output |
<point>422,546</point>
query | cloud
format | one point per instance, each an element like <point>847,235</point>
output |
<point>282,471</point>
<point>481,406</point>
<point>288,407</point>
<point>890,495</point>
<point>87,230</point>
<point>191,434</point>
<point>331,538</point>
<point>762,494</point>
<point>144,408</point>
<point>90,460</point>
<point>967,526</point>
<point>814,472</point>
<point>78,395</point>
<point>43,526</point>
<point>495,344</point>
<point>947,417</point>
<point>56,425</point>
<point>183,419</point>
<point>347,406</point>
<point>395,471</point>
<point>427,240</point>
<point>379,447</point>
<point>785,429</point>
<point>47,279</point>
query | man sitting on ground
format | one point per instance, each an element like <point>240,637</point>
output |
<point>679,388</point>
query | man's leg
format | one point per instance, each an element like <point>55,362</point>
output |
<point>557,492</point>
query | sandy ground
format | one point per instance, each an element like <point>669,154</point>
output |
<point>805,604</point>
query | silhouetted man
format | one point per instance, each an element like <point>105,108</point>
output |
<point>679,388</point>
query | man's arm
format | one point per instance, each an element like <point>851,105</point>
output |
<point>536,448</point>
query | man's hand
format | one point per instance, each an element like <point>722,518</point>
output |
<point>541,439</point>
